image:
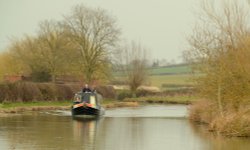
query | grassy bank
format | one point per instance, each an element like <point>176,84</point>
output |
<point>17,107</point>
<point>30,104</point>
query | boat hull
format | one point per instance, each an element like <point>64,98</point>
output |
<point>85,111</point>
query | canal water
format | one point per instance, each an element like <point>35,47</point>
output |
<point>152,127</point>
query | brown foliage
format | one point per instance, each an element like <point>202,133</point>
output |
<point>202,111</point>
<point>106,91</point>
<point>220,50</point>
<point>232,123</point>
<point>29,91</point>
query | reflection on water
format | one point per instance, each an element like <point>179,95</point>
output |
<point>85,132</point>
<point>145,128</point>
<point>218,142</point>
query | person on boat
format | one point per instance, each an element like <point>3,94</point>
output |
<point>86,89</point>
<point>78,99</point>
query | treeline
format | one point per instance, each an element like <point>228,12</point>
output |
<point>78,45</point>
<point>220,50</point>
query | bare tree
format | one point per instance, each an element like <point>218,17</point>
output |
<point>215,49</point>
<point>9,65</point>
<point>94,33</point>
<point>54,48</point>
<point>26,51</point>
<point>133,61</point>
<point>43,55</point>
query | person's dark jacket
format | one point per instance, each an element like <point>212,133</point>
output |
<point>86,90</point>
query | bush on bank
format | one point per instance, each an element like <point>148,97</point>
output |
<point>230,123</point>
<point>30,91</point>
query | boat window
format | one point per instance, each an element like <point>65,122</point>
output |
<point>88,98</point>
<point>77,98</point>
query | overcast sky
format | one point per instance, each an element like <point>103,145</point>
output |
<point>160,25</point>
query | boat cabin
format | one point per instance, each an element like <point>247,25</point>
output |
<point>90,98</point>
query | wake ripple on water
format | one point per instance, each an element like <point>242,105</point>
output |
<point>155,111</point>
<point>150,111</point>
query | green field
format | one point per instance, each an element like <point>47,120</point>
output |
<point>168,75</point>
<point>158,80</point>
<point>178,69</point>
<point>165,70</point>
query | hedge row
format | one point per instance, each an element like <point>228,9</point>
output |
<point>30,91</point>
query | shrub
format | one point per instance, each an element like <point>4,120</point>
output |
<point>143,93</point>
<point>41,76</point>
<point>180,91</point>
<point>30,91</point>
<point>26,91</point>
<point>106,91</point>
<point>64,92</point>
<point>3,92</point>
<point>48,91</point>
<point>231,123</point>
<point>202,111</point>
<point>122,94</point>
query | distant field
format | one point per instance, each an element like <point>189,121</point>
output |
<point>158,80</point>
<point>168,75</point>
<point>178,69</point>
<point>166,70</point>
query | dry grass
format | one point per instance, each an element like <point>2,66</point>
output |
<point>231,123</point>
<point>202,111</point>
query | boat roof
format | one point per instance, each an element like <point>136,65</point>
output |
<point>86,93</point>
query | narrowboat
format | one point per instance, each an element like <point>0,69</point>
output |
<point>87,104</point>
